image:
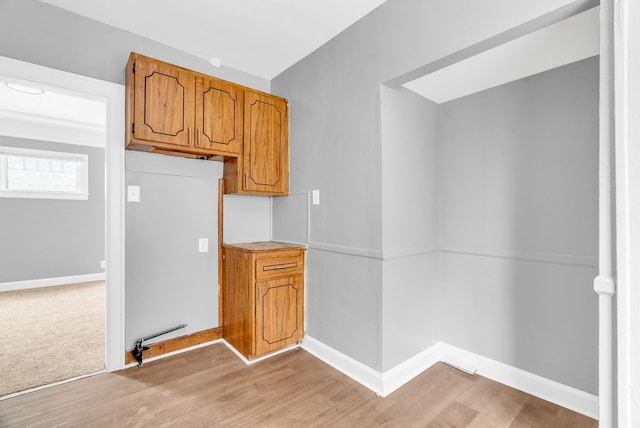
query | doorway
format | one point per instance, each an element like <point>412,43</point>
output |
<point>52,195</point>
<point>113,97</point>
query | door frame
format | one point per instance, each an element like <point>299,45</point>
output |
<point>114,215</point>
<point>627,128</point>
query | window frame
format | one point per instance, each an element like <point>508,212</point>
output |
<point>82,179</point>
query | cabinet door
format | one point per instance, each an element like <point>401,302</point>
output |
<point>265,165</point>
<point>163,104</point>
<point>279,313</point>
<point>218,112</point>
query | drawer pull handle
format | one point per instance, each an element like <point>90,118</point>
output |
<point>278,267</point>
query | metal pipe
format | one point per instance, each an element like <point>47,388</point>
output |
<point>144,339</point>
<point>140,348</point>
<point>604,284</point>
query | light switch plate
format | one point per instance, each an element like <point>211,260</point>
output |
<point>133,193</point>
<point>203,245</point>
<point>315,197</point>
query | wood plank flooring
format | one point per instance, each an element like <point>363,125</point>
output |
<point>211,387</point>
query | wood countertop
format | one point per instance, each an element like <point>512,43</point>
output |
<point>264,246</point>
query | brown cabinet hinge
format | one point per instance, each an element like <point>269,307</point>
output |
<point>133,128</point>
<point>134,68</point>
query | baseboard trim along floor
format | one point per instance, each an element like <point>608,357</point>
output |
<point>385,383</point>
<point>170,346</point>
<point>50,282</point>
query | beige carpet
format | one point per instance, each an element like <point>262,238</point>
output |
<point>50,334</point>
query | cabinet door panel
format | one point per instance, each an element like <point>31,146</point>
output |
<point>279,313</point>
<point>218,113</point>
<point>266,144</point>
<point>163,110</point>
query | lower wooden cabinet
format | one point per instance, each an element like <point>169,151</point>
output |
<point>262,296</point>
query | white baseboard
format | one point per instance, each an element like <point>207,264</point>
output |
<point>397,376</point>
<point>264,357</point>
<point>49,282</point>
<point>357,371</point>
<point>555,392</point>
<point>385,383</point>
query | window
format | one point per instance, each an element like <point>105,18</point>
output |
<point>27,173</point>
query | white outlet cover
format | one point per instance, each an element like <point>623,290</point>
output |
<point>133,193</point>
<point>203,245</point>
<point>315,197</point>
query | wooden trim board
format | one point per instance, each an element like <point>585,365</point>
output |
<point>176,344</point>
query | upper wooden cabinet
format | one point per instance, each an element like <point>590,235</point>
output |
<point>161,104</point>
<point>177,111</point>
<point>173,110</point>
<point>264,166</point>
<point>218,113</point>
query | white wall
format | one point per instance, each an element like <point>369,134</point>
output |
<point>627,93</point>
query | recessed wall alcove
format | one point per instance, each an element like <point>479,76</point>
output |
<point>490,202</point>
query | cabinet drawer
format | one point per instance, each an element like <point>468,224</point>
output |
<point>268,267</point>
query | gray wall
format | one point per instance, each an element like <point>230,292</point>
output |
<point>518,162</point>
<point>336,143</point>
<point>337,146</point>
<point>168,282</point>
<point>411,304</point>
<point>518,178</point>
<point>42,34</point>
<point>158,293</point>
<point>51,238</point>
<point>409,183</point>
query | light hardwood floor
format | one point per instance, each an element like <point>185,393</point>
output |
<point>211,387</point>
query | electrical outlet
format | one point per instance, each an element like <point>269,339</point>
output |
<point>315,197</point>
<point>133,193</point>
<point>103,264</point>
<point>203,245</point>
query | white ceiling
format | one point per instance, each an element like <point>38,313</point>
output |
<point>260,37</point>
<point>265,37</point>
<point>51,104</point>
<point>51,114</point>
<point>567,41</point>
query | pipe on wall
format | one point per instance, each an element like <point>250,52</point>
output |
<point>604,283</point>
